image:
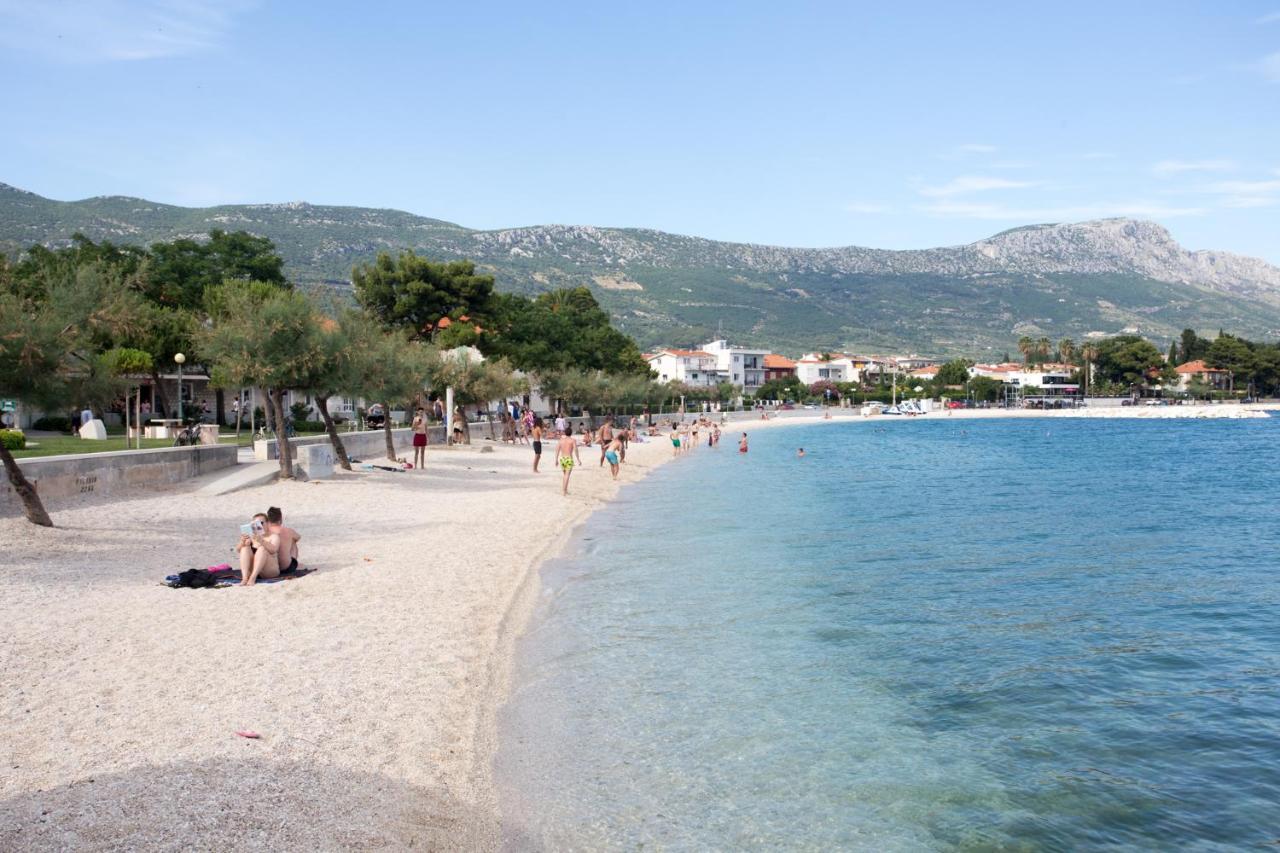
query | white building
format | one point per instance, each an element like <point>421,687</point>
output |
<point>743,366</point>
<point>1045,380</point>
<point>833,367</point>
<point>692,367</point>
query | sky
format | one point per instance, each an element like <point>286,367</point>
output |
<point>893,125</point>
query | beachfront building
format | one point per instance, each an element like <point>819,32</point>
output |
<point>743,366</point>
<point>1038,385</point>
<point>823,367</point>
<point>1214,378</point>
<point>778,367</point>
<point>692,367</point>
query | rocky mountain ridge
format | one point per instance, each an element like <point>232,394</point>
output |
<point>1096,277</point>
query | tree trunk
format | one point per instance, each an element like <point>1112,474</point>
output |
<point>30,500</point>
<point>282,440</point>
<point>322,403</point>
<point>219,407</point>
<point>160,400</point>
<point>269,411</point>
<point>386,429</point>
<point>489,415</point>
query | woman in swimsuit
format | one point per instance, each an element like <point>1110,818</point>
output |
<point>742,445</point>
<point>536,431</point>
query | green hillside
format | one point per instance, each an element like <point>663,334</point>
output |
<point>668,289</point>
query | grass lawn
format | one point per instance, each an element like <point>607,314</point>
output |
<point>57,445</point>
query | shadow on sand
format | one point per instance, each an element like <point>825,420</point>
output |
<point>243,804</point>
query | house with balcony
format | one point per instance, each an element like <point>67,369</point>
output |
<point>743,366</point>
<point>692,367</point>
<point>1214,378</point>
<point>778,367</point>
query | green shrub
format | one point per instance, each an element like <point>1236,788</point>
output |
<point>53,423</point>
<point>308,426</point>
<point>13,439</point>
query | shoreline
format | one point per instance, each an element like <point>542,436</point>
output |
<point>376,682</point>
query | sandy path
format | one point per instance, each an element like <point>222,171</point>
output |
<point>372,682</point>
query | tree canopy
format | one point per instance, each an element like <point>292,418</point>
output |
<point>559,330</point>
<point>414,293</point>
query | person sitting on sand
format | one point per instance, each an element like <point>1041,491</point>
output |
<point>286,539</point>
<point>258,553</point>
<point>566,450</point>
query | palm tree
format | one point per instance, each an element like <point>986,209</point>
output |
<point>1066,350</point>
<point>1042,348</point>
<point>1026,346</point>
<point>1088,353</point>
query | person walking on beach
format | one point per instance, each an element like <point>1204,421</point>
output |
<point>561,423</point>
<point>566,450</point>
<point>675,441</point>
<point>536,432</point>
<point>420,439</point>
<point>742,445</point>
<point>606,437</point>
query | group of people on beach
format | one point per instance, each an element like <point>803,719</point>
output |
<point>269,549</point>
<point>612,438</point>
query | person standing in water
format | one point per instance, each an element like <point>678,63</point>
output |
<point>742,445</point>
<point>420,439</point>
<point>566,450</point>
<point>536,432</point>
<point>675,441</point>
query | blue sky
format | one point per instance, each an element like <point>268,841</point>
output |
<point>901,125</point>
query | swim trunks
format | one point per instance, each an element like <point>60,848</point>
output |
<point>566,463</point>
<point>291,568</point>
<point>537,448</point>
<point>419,439</point>
<point>675,442</point>
<point>611,457</point>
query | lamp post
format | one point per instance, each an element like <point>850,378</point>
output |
<point>180,359</point>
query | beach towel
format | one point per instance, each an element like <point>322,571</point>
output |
<point>220,576</point>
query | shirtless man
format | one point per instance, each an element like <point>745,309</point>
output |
<point>286,540</point>
<point>566,450</point>
<point>606,437</point>
<point>258,553</point>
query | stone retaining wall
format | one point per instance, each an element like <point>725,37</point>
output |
<point>114,472</point>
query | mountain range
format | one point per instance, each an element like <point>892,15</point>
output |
<point>1080,280</point>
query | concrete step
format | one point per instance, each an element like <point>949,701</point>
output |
<point>242,476</point>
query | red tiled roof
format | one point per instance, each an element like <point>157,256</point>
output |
<point>772,360</point>
<point>1197,366</point>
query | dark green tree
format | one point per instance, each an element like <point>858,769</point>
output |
<point>1127,360</point>
<point>559,330</point>
<point>413,293</point>
<point>954,372</point>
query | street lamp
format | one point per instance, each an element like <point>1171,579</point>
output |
<point>180,359</point>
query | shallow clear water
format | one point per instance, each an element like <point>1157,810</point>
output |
<point>1022,635</point>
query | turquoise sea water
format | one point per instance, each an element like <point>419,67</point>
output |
<point>1023,635</point>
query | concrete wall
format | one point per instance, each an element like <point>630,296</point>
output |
<point>115,472</point>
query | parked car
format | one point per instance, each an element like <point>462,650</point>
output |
<point>1128,401</point>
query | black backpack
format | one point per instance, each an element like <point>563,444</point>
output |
<point>196,579</point>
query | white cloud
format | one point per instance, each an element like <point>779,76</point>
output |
<point>1097,155</point>
<point>972,184</point>
<point>1067,213</point>
<point>1177,167</point>
<point>1249,201</point>
<point>116,30</point>
<point>865,207</point>
<point>1269,67</point>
